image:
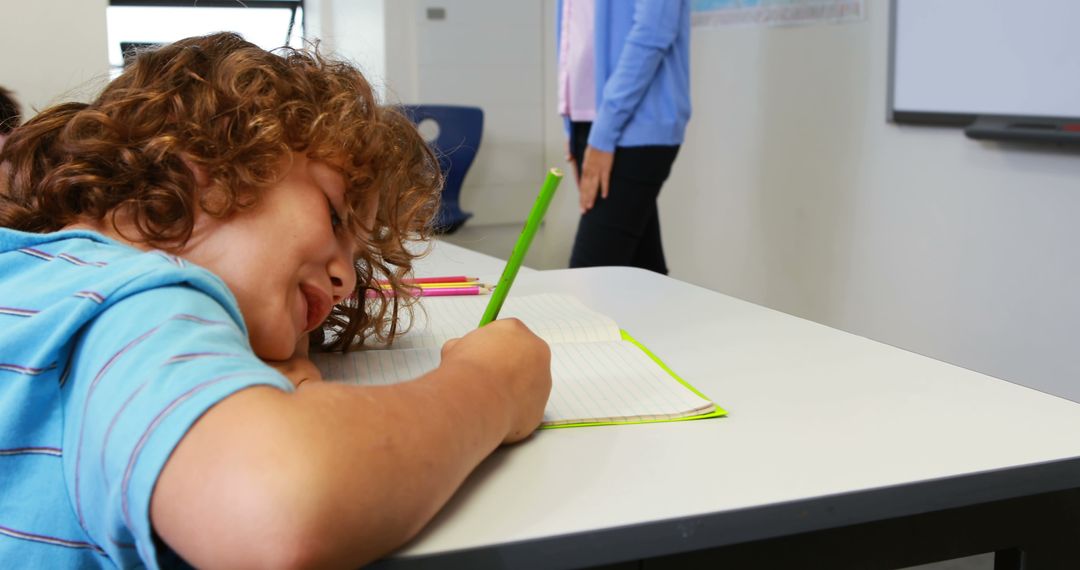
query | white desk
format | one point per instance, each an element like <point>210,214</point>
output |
<point>826,430</point>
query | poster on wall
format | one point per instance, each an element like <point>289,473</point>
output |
<point>775,12</point>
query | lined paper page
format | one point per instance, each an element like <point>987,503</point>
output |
<point>555,318</point>
<point>614,381</point>
<point>591,382</point>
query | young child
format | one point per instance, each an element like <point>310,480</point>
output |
<point>164,243</point>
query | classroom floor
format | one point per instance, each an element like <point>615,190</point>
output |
<point>497,240</point>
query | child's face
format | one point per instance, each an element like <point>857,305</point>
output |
<point>288,259</point>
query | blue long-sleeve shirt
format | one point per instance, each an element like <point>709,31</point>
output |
<point>642,72</point>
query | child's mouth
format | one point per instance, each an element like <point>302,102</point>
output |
<point>318,306</point>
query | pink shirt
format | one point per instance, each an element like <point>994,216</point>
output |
<point>577,61</point>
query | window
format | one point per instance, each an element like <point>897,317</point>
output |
<point>137,24</point>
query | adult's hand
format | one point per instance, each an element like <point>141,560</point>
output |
<point>595,176</point>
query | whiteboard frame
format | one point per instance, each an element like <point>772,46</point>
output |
<point>914,117</point>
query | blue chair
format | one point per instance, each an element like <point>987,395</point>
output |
<point>459,132</point>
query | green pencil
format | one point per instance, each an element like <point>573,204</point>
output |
<point>547,191</point>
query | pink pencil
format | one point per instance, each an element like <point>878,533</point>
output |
<point>449,279</point>
<point>448,291</point>
<point>437,292</point>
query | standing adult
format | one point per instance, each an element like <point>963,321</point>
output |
<point>624,91</point>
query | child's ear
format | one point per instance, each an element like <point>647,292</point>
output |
<point>208,198</point>
<point>202,179</point>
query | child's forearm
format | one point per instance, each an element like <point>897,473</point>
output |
<point>331,474</point>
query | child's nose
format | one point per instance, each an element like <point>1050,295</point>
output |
<point>338,286</point>
<point>342,276</point>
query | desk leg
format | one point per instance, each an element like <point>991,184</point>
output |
<point>1011,559</point>
<point>1053,554</point>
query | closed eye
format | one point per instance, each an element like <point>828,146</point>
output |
<point>335,219</point>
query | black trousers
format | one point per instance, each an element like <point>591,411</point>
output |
<point>624,228</point>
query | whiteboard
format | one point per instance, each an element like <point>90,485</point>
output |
<point>953,59</point>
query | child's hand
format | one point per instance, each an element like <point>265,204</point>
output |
<point>514,362</point>
<point>299,368</point>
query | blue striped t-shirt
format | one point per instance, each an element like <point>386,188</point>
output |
<point>108,355</point>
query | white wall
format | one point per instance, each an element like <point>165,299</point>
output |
<point>792,191</point>
<point>488,54</point>
<point>485,54</point>
<point>402,69</point>
<point>552,246</point>
<point>354,30</point>
<point>54,51</point>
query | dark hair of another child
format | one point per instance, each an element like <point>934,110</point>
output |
<point>9,112</point>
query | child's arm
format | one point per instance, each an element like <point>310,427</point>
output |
<point>340,475</point>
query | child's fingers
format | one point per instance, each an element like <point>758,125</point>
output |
<point>449,346</point>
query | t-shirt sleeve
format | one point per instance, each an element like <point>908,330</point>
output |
<point>140,375</point>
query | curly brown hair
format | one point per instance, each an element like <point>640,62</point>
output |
<point>233,110</point>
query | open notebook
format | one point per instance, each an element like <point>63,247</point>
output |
<point>600,375</point>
